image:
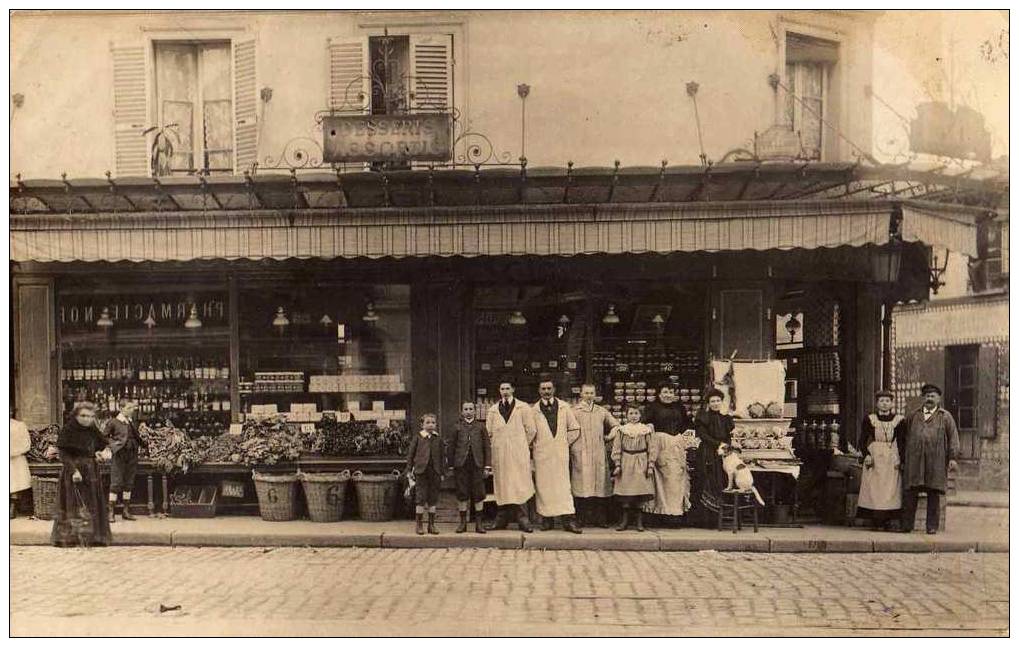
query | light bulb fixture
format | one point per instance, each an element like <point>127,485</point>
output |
<point>150,321</point>
<point>280,321</point>
<point>326,321</point>
<point>564,320</point>
<point>659,322</point>
<point>370,315</point>
<point>193,322</point>
<point>517,318</point>
<point>105,321</point>
<point>792,326</point>
<point>610,317</point>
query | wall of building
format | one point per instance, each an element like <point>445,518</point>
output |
<point>921,335</point>
<point>604,85</point>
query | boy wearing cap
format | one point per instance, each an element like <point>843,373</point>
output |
<point>932,443</point>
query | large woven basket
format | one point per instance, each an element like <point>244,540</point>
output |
<point>45,491</point>
<point>277,496</point>
<point>325,493</point>
<point>376,495</point>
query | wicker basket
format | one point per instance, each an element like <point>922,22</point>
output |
<point>45,491</point>
<point>376,495</point>
<point>325,493</point>
<point>277,495</point>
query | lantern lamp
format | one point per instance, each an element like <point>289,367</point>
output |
<point>193,322</point>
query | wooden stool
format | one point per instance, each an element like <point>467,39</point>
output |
<point>733,502</point>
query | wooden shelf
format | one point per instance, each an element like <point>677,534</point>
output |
<point>219,337</point>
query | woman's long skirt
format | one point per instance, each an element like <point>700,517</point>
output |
<point>81,519</point>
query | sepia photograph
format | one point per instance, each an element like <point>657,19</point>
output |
<point>461,322</point>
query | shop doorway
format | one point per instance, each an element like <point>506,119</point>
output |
<point>961,396</point>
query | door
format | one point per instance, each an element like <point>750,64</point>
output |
<point>961,396</point>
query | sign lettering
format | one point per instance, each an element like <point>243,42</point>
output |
<point>423,137</point>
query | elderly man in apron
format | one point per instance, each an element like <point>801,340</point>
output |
<point>510,423</point>
<point>557,430</point>
<point>882,441</point>
<point>932,443</point>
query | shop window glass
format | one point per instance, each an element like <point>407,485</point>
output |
<point>194,98</point>
<point>809,62</point>
<point>311,348</point>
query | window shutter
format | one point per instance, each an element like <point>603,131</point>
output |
<point>349,76</point>
<point>431,72</point>
<point>987,390</point>
<point>245,106</point>
<point>802,48</point>
<point>130,110</point>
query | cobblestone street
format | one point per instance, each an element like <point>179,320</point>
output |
<point>472,592</point>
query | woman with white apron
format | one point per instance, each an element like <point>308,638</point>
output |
<point>882,438</point>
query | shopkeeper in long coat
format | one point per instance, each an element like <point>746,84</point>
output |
<point>590,471</point>
<point>882,443</point>
<point>932,443</point>
<point>510,423</point>
<point>557,429</point>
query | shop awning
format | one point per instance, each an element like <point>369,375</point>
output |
<point>550,211</point>
<point>468,232</point>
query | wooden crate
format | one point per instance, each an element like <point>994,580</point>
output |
<point>194,501</point>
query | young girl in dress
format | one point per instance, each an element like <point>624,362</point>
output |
<point>633,455</point>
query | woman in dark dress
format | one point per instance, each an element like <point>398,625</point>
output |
<point>80,518</point>
<point>713,428</point>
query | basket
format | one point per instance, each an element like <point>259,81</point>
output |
<point>325,493</point>
<point>376,495</point>
<point>45,492</point>
<point>277,496</point>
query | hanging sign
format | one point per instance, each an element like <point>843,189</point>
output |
<point>387,138</point>
<point>77,313</point>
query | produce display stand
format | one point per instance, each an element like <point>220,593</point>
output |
<point>217,472</point>
<point>776,461</point>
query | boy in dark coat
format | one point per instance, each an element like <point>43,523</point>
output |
<point>124,444</point>
<point>469,453</point>
<point>424,460</point>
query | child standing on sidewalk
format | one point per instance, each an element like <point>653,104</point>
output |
<point>469,453</point>
<point>424,459</point>
<point>634,452</point>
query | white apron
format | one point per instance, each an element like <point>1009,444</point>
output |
<point>554,496</point>
<point>21,442</point>
<point>511,453</point>
<point>881,484</point>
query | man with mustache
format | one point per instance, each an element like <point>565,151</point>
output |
<point>932,443</point>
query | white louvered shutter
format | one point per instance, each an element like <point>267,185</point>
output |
<point>130,110</point>
<point>349,76</point>
<point>245,105</point>
<point>431,72</point>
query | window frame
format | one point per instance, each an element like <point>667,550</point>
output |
<point>834,83</point>
<point>197,35</point>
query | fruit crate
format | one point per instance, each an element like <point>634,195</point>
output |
<point>194,501</point>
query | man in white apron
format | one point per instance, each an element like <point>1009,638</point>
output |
<point>510,423</point>
<point>558,428</point>
<point>882,440</point>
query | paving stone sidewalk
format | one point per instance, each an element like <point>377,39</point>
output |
<point>969,529</point>
<point>481,592</point>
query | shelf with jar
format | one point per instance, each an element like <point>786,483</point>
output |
<point>630,372</point>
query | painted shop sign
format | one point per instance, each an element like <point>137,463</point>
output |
<point>80,313</point>
<point>382,138</point>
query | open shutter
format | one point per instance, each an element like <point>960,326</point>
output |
<point>245,106</point>
<point>349,77</point>
<point>987,390</point>
<point>431,72</point>
<point>130,110</point>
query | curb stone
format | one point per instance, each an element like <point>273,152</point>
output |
<point>821,545</point>
<point>557,540</point>
<point>500,540</point>
<point>720,544</point>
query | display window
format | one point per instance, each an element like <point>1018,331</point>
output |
<point>167,349</point>
<point>319,348</point>
<point>627,342</point>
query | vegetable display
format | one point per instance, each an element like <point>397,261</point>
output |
<point>42,440</point>
<point>169,449</point>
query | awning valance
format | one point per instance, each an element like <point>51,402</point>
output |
<point>940,227</point>
<point>485,231</point>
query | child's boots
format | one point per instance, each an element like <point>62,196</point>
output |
<point>431,523</point>
<point>640,519</point>
<point>624,520</point>
<point>419,526</point>
<point>462,527</point>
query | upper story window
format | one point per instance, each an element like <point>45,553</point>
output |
<point>989,271</point>
<point>390,69</point>
<point>194,104</point>
<point>809,62</point>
